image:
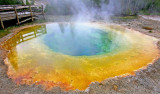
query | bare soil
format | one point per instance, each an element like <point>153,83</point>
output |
<point>145,81</point>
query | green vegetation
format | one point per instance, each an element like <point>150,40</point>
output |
<point>10,2</point>
<point>127,17</point>
<point>152,7</point>
<point>30,2</point>
<point>124,18</point>
<point>121,7</point>
<point>27,2</point>
<point>6,31</point>
<point>16,2</point>
<point>118,7</point>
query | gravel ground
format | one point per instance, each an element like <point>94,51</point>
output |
<point>145,81</point>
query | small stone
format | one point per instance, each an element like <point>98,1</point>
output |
<point>100,84</point>
<point>26,93</point>
<point>115,87</point>
<point>148,28</point>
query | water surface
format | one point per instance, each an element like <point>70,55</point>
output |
<point>72,56</point>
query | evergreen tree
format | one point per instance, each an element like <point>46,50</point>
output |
<point>27,2</point>
<point>10,2</point>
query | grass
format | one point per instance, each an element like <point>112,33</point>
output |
<point>127,17</point>
<point>124,18</point>
<point>6,31</point>
<point>144,12</point>
<point>3,33</point>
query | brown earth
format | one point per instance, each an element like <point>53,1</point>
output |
<point>146,81</point>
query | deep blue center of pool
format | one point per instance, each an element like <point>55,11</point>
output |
<point>77,40</point>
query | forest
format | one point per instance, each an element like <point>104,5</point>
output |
<point>121,7</point>
<point>118,7</point>
<point>16,2</point>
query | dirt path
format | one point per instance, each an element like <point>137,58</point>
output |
<point>146,81</point>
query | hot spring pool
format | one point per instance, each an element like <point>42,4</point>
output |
<point>72,55</point>
<point>78,40</point>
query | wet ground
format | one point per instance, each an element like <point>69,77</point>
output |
<point>146,81</point>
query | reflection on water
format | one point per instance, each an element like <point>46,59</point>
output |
<point>72,56</point>
<point>26,35</point>
<point>21,37</point>
<point>78,40</point>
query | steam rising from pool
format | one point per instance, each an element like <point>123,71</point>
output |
<point>93,10</point>
<point>85,10</point>
<point>71,56</point>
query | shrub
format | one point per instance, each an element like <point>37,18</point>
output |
<point>10,2</point>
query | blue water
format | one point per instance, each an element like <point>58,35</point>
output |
<point>77,40</point>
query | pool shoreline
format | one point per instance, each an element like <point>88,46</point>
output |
<point>112,83</point>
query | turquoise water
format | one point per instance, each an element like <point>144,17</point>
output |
<point>72,56</point>
<point>77,40</point>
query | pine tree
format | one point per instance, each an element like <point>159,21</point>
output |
<point>27,2</point>
<point>10,2</point>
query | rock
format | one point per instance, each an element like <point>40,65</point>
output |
<point>115,87</point>
<point>148,28</point>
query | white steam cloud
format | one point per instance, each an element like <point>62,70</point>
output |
<point>91,10</point>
